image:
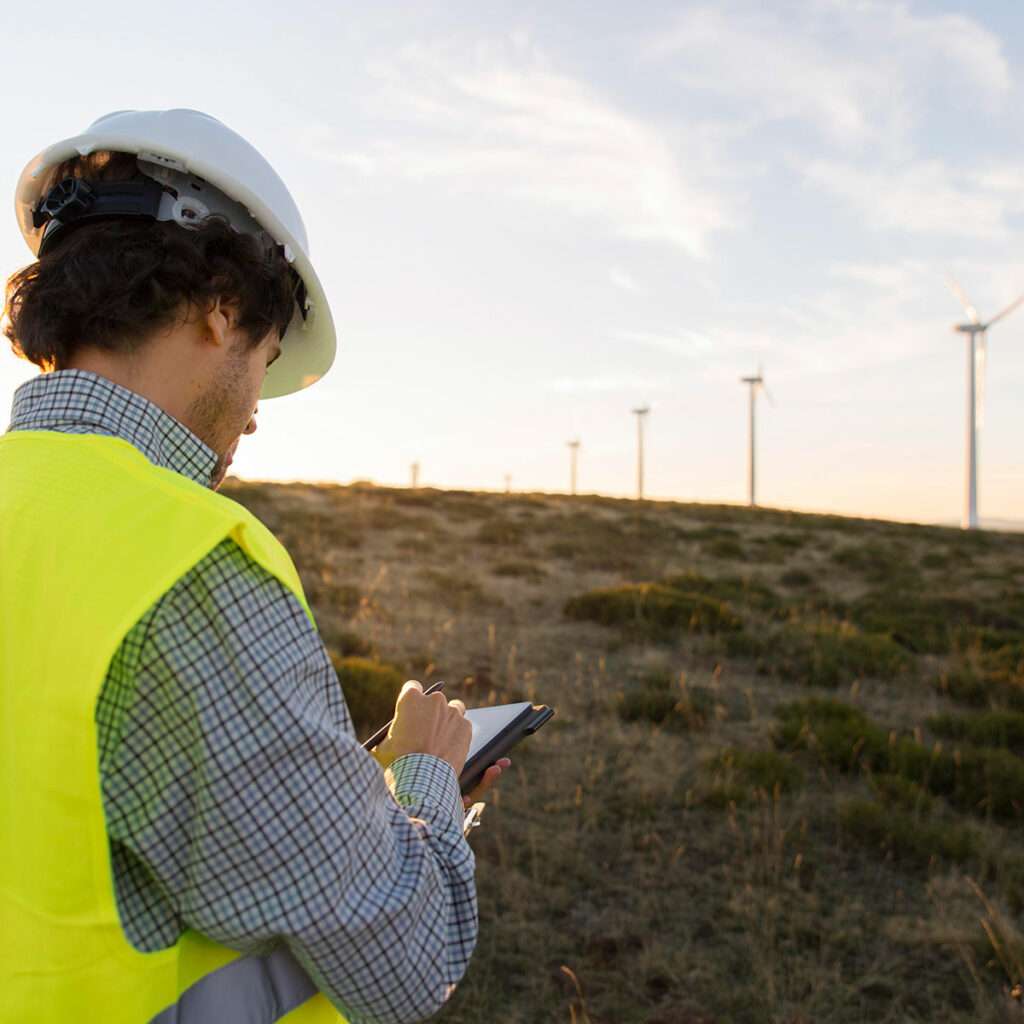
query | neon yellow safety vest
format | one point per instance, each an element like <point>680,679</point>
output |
<point>91,534</point>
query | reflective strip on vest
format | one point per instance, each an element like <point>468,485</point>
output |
<point>253,990</point>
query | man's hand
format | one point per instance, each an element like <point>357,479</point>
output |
<point>427,725</point>
<point>490,777</point>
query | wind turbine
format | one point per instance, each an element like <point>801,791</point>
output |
<point>977,351</point>
<point>755,384</point>
<point>640,414</point>
<point>574,447</point>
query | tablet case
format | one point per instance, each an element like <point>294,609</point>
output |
<point>526,723</point>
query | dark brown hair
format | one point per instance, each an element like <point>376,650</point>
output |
<point>110,284</point>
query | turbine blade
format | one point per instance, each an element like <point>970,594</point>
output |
<point>961,297</point>
<point>1006,312</point>
<point>767,393</point>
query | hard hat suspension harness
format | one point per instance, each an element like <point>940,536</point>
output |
<point>76,201</point>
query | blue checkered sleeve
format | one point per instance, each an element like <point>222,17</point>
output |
<point>240,804</point>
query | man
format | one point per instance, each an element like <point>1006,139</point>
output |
<point>190,830</point>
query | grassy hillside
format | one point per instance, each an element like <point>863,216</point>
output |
<point>785,782</point>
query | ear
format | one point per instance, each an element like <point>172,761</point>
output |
<point>218,321</point>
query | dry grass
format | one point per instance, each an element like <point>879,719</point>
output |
<point>653,856</point>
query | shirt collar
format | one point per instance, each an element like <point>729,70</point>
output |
<point>81,402</point>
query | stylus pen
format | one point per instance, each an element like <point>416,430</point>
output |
<point>379,735</point>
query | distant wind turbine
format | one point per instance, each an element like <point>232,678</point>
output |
<point>977,351</point>
<point>574,447</point>
<point>640,414</point>
<point>755,384</point>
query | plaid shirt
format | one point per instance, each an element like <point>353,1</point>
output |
<point>238,802</point>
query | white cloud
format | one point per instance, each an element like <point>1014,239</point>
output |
<point>624,280</point>
<point>606,383</point>
<point>856,70</point>
<point>690,344</point>
<point>502,121</point>
<point>925,197</point>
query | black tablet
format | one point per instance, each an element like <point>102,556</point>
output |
<point>496,731</point>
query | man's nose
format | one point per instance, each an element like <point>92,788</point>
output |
<point>250,427</point>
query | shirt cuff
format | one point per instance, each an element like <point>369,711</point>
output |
<point>426,786</point>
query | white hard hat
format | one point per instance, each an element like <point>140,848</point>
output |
<point>186,147</point>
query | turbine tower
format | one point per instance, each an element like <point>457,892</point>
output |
<point>640,414</point>
<point>574,448</point>
<point>755,384</point>
<point>977,351</point>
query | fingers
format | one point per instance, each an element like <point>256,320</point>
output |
<point>490,777</point>
<point>458,706</point>
<point>410,686</point>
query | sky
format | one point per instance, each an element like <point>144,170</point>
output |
<point>532,218</point>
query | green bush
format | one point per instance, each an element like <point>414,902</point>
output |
<point>502,532</point>
<point>346,643</point>
<point>726,549</point>
<point>796,578</point>
<point>789,541</point>
<point>565,549</point>
<point>737,590</point>
<point>522,570</point>
<point>840,734</point>
<point>989,729</point>
<point>975,687</point>
<point>747,644</point>
<point>896,791</point>
<point>457,591</point>
<point>830,654</point>
<point>737,775</point>
<point>982,781</point>
<point>876,561</point>
<point>905,836</point>
<point>710,533</point>
<point>371,689</point>
<point>660,700</point>
<point>653,610</point>
<point>925,625</point>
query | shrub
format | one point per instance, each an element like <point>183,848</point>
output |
<point>345,643</point>
<point>565,549</point>
<point>974,687</point>
<point>458,592</point>
<point>922,624</point>
<point>905,836</point>
<point>710,533</point>
<point>653,610</point>
<point>523,570</point>
<point>876,561</point>
<point>896,791</point>
<point>841,735</point>
<point>796,578</point>
<point>371,689</point>
<point>987,782</point>
<point>735,589</point>
<point>935,560</point>
<point>829,654</point>
<point>789,541</point>
<point>748,644</point>
<point>503,532</point>
<point>726,549</point>
<point>739,774</point>
<point>990,729</point>
<point>658,699</point>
